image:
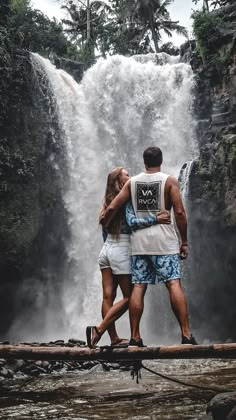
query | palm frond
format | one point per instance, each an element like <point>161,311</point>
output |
<point>167,32</point>
<point>166,3</point>
<point>99,6</point>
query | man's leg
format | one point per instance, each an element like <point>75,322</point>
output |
<point>136,306</point>
<point>179,305</point>
<point>143,273</point>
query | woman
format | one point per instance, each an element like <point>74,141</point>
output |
<point>114,261</point>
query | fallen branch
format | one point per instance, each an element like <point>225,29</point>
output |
<point>27,352</point>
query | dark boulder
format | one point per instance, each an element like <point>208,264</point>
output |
<point>222,405</point>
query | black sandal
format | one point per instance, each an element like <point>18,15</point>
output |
<point>89,335</point>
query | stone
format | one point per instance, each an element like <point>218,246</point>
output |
<point>20,364</point>
<point>88,365</point>
<point>76,341</point>
<point>45,364</point>
<point>232,414</point>
<point>10,373</point>
<point>221,405</point>
<point>4,372</point>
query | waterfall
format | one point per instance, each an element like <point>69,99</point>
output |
<point>184,180</point>
<point>121,106</point>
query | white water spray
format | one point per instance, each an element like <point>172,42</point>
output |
<point>122,106</point>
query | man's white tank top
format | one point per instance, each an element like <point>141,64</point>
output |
<point>147,194</point>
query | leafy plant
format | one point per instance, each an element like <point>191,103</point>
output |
<point>207,29</point>
<point>208,4</point>
<point>121,27</point>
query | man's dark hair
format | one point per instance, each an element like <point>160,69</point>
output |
<point>152,156</point>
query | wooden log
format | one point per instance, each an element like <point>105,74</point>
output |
<point>27,352</point>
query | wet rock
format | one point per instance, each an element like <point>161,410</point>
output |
<point>5,373</point>
<point>76,341</point>
<point>14,365</point>
<point>71,345</point>
<point>57,365</point>
<point>10,373</point>
<point>19,365</point>
<point>114,365</point>
<point>33,369</point>
<point>232,414</point>
<point>106,367</point>
<point>45,364</point>
<point>222,405</point>
<point>88,365</point>
<point>57,343</point>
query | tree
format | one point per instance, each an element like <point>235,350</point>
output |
<point>77,25</point>
<point>169,48</point>
<point>207,4</point>
<point>154,17</point>
<point>121,26</point>
<point>208,32</point>
<point>19,6</point>
<point>85,25</point>
<point>29,29</point>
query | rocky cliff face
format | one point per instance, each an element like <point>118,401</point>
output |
<point>33,227</point>
<point>212,191</point>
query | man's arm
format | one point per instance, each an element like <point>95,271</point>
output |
<point>116,204</point>
<point>180,215</point>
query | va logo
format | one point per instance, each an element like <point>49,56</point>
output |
<point>148,196</point>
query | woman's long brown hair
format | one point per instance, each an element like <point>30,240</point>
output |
<point>113,187</point>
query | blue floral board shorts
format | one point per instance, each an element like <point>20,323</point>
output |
<point>151,269</point>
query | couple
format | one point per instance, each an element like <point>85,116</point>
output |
<point>141,246</point>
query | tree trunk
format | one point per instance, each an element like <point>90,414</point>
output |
<point>88,21</point>
<point>109,354</point>
<point>206,5</point>
<point>154,35</point>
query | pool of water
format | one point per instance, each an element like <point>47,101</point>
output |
<point>99,394</point>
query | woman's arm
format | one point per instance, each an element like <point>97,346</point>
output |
<point>138,222</point>
<point>162,217</point>
<point>104,235</point>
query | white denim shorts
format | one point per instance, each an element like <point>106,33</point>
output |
<point>115,254</point>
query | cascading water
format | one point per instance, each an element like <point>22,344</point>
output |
<point>184,178</point>
<point>122,106</point>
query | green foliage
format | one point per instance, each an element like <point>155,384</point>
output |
<point>121,27</point>
<point>169,48</point>
<point>208,4</point>
<point>26,28</point>
<point>19,6</point>
<point>86,54</point>
<point>34,31</point>
<point>207,29</point>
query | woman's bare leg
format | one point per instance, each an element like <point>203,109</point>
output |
<point>116,310</point>
<point>109,285</point>
<point>120,307</point>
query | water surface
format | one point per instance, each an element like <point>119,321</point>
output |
<point>99,394</point>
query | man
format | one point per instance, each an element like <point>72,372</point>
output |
<point>155,251</point>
